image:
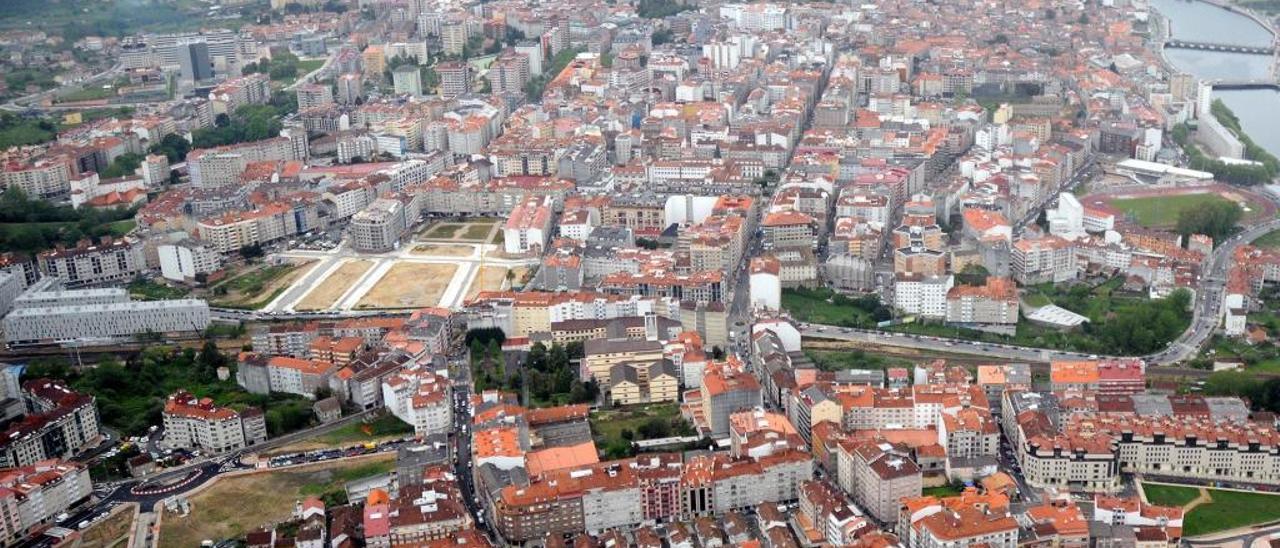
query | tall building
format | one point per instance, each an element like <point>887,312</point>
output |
<point>407,79</point>
<point>194,61</point>
<point>314,95</point>
<point>350,88</point>
<point>455,79</point>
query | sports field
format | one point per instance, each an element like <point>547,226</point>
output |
<point>333,286</point>
<point>1163,211</point>
<point>409,285</point>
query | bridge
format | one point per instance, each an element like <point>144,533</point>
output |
<point>1254,83</point>
<point>1221,47</point>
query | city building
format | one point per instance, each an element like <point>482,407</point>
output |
<point>196,423</point>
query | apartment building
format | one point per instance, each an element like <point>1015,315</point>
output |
<point>966,520</point>
<point>727,388</point>
<point>528,228</point>
<point>1045,259</point>
<point>60,424</point>
<point>877,476</point>
<point>1109,377</point>
<point>380,226</point>
<point>297,376</point>
<point>42,178</point>
<point>186,260</point>
<point>922,295</point>
<point>269,223</point>
<point>600,356</point>
<point>66,317</point>
<point>633,383</point>
<point>995,303</point>
<point>192,423</point>
<point>251,89</point>
<point>222,166</point>
<point>455,78</point>
<point>314,95</point>
<point>33,495</point>
<point>421,398</point>
<point>88,264</point>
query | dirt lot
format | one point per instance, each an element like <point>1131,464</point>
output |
<point>233,506</point>
<point>112,531</point>
<point>332,287</point>
<point>490,278</point>
<point>257,288</point>
<point>443,250</point>
<point>409,285</point>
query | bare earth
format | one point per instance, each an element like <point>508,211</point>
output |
<point>409,285</point>
<point>332,287</point>
<point>438,250</point>
<point>234,505</point>
<point>490,278</point>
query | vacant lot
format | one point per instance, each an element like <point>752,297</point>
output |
<point>442,231</point>
<point>382,428</point>
<point>1225,510</point>
<point>490,278</point>
<point>233,506</point>
<point>332,287</point>
<point>409,285</point>
<point>443,250</point>
<point>1162,211</point>
<point>111,531</point>
<point>478,232</point>
<point>257,288</point>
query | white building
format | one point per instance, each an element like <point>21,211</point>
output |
<point>766,283</point>
<point>191,423</point>
<point>923,295</point>
<point>528,227</point>
<point>99,314</point>
<point>1068,219</point>
<point>184,260</point>
<point>421,398</point>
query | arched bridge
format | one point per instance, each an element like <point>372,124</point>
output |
<point>1223,47</point>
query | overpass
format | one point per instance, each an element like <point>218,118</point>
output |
<point>1245,83</point>
<point>1221,47</point>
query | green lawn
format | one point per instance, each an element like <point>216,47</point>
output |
<point>1269,240</point>
<point>308,65</point>
<point>253,290</point>
<point>949,490</point>
<point>1227,510</point>
<point>1163,211</point>
<point>91,93</point>
<point>608,426</point>
<point>1170,495</point>
<point>477,232</point>
<point>833,360</point>
<point>357,432</point>
<point>120,228</point>
<point>825,307</point>
<point>339,477</point>
<point>154,290</point>
<point>444,231</point>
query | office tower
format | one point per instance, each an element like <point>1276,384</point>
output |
<point>193,58</point>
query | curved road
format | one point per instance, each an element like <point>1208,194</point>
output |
<point>1205,319</point>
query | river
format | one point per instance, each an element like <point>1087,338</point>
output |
<point>1192,20</point>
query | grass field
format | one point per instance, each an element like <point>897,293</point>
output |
<point>1270,240</point>
<point>1162,211</point>
<point>382,428</point>
<point>830,360</point>
<point>333,286</point>
<point>1226,510</point>
<point>149,290</point>
<point>823,307</point>
<point>253,290</point>
<point>949,490</point>
<point>443,231</point>
<point>608,425</point>
<point>409,285</point>
<point>1170,495</point>
<point>477,232</point>
<point>233,506</point>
